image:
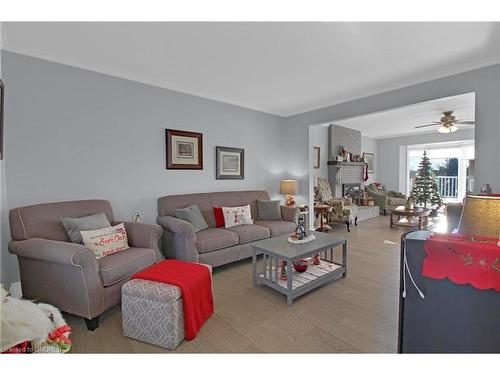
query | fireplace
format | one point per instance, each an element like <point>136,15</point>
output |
<point>351,190</point>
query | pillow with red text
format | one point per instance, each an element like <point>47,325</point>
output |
<point>236,216</point>
<point>105,241</point>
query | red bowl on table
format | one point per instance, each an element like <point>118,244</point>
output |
<point>300,265</point>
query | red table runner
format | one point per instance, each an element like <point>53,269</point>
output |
<point>463,260</point>
<point>195,283</point>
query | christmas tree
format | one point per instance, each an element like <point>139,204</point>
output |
<point>425,189</point>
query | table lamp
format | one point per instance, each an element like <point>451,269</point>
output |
<point>289,188</point>
<point>480,216</point>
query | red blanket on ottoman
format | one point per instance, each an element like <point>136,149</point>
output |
<point>194,281</point>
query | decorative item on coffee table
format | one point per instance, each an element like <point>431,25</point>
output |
<point>277,253</point>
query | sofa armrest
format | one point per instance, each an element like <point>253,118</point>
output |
<point>179,239</point>
<point>178,226</point>
<point>64,253</point>
<point>290,214</point>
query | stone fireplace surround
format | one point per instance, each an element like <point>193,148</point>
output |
<point>344,172</point>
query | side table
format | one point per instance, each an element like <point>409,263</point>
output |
<point>323,210</point>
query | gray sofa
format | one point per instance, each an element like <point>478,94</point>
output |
<point>218,246</point>
<point>68,275</point>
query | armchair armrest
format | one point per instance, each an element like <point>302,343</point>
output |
<point>143,235</point>
<point>64,253</point>
<point>63,274</point>
<point>178,226</point>
<point>377,193</point>
<point>290,214</point>
<point>395,194</point>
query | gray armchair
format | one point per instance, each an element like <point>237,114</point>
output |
<point>68,275</point>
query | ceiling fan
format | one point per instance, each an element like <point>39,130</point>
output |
<point>448,123</point>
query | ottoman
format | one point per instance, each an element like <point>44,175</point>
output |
<point>152,312</point>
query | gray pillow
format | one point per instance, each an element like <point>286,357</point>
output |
<point>268,210</point>
<point>192,214</point>
<point>73,225</point>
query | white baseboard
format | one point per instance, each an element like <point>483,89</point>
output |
<point>15,290</point>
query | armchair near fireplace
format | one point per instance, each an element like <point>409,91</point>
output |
<point>344,211</point>
<point>385,199</point>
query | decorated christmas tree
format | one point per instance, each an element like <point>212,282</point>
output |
<point>425,189</point>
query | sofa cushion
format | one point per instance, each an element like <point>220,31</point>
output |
<point>74,225</point>
<point>277,227</point>
<point>212,239</point>
<point>268,210</point>
<point>119,266</point>
<point>250,232</point>
<point>193,215</point>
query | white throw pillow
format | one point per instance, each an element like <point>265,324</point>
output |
<point>105,241</point>
<point>235,216</point>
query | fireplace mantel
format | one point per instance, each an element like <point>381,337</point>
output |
<point>347,163</point>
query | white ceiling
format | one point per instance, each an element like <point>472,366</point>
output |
<point>402,121</point>
<point>280,68</point>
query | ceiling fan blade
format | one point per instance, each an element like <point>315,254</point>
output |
<point>432,124</point>
<point>461,122</point>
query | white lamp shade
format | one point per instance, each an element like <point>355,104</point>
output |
<point>447,129</point>
<point>289,187</point>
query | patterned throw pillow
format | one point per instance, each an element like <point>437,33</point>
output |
<point>235,216</point>
<point>105,241</point>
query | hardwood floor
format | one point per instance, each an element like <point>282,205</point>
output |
<point>352,315</point>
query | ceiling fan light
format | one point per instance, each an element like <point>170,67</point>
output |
<point>444,129</point>
<point>452,128</point>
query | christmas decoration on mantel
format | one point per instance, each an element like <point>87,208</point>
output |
<point>425,189</point>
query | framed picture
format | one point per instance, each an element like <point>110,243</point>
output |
<point>230,163</point>
<point>316,153</point>
<point>184,149</point>
<point>370,160</point>
<point>1,119</point>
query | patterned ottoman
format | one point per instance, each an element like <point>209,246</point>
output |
<point>152,312</point>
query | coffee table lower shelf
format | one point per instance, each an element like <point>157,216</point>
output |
<point>302,282</point>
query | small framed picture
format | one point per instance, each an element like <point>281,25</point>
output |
<point>230,163</point>
<point>184,149</point>
<point>316,156</point>
<point>370,160</point>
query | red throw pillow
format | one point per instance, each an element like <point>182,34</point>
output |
<point>219,217</point>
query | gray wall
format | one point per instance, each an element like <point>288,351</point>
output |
<point>388,152</point>
<point>484,82</point>
<point>76,134</point>
<point>320,138</point>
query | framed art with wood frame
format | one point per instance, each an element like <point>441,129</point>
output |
<point>184,149</point>
<point>230,163</point>
<point>316,159</point>
<point>1,119</point>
